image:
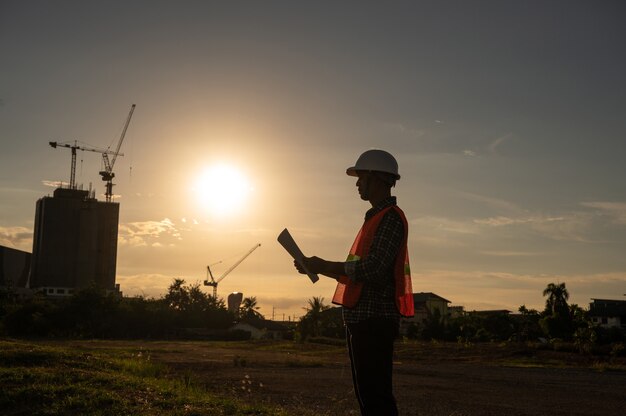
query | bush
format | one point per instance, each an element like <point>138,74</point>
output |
<point>327,341</point>
<point>33,318</point>
<point>92,313</point>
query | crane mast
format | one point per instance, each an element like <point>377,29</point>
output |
<point>214,282</point>
<point>107,174</point>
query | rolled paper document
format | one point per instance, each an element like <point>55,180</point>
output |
<point>286,240</point>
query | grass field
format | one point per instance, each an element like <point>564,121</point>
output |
<point>39,379</point>
<point>282,378</point>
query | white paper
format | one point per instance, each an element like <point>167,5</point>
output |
<point>286,240</point>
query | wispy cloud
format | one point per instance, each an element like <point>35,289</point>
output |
<point>145,233</point>
<point>572,226</point>
<point>491,202</point>
<point>20,238</point>
<point>615,210</point>
<point>481,289</point>
<point>492,148</point>
<point>497,253</point>
<point>500,221</point>
<point>580,225</point>
<point>53,184</point>
<point>404,130</point>
<point>445,224</point>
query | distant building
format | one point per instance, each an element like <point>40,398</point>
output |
<point>608,313</point>
<point>234,302</point>
<point>74,243</point>
<point>426,304</point>
<point>456,311</point>
<point>14,268</point>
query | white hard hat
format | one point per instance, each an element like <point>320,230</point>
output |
<point>377,161</point>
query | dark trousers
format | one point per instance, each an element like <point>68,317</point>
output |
<point>370,344</point>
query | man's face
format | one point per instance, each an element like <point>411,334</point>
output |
<point>363,184</point>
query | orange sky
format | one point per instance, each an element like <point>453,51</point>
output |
<point>510,141</point>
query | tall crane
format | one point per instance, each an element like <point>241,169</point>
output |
<point>107,174</point>
<point>214,282</point>
<point>74,147</point>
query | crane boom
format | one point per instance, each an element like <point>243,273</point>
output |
<point>237,263</point>
<point>74,147</point>
<point>214,282</point>
<point>109,166</point>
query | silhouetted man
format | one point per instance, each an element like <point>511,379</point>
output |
<point>373,284</point>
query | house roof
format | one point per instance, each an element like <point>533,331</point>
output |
<point>605,308</point>
<point>492,312</point>
<point>425,296</point>
<point>608,301</point>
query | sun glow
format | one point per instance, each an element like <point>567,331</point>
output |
<point>222,189</point>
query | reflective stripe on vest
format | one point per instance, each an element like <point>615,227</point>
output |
<point>348,292</point>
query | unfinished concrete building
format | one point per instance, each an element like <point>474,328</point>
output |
<point>74,243</point>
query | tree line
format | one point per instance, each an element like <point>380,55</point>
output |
<point>93,313</point>
<point>558,321</point>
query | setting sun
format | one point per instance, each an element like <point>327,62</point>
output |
<point>222,189</point>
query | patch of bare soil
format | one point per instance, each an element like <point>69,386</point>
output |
<point>429,379</point>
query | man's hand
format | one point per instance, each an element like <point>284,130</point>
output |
<point>316,265</point>
<point>313,264</point>
<point>298,267</point>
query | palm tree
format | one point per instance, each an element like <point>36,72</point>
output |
<point>249,308</point>
<point>314,313</point>
<point>557,299</point>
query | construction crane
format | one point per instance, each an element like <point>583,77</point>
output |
<point>214,282</point>
<point>74,147</point>
<point>107,174</point>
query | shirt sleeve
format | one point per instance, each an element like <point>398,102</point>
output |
<point>383,252</point>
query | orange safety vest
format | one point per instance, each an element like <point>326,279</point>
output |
<point>348,292</point>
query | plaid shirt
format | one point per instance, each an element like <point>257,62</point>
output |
<point>377,269</point>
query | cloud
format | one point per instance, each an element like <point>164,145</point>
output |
<point>574,226</point>
<point>470,153</point>
<point>500,221</point>
<point>403,130</point>
<point>149,285</point>
<point>615,210</point>
<point>512,253</point>
<point>20,238</point>
<point>143,233</point>
<point>491,202</point>
<point>493,146</point>
<point>480,289</point>
<point>577,225</point>
<point>53,184</point>
<point>445,224</point>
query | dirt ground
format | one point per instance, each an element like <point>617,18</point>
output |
<point>429,379</point>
